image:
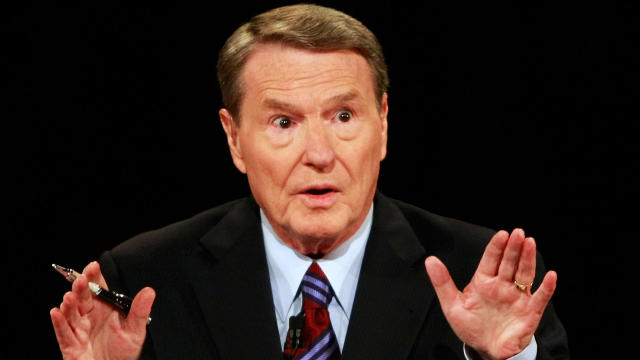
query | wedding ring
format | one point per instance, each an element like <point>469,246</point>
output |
<point>522,287</point>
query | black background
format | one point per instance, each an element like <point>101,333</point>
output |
<point>508,114</point>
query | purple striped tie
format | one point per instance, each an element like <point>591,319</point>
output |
<point>318,341</point>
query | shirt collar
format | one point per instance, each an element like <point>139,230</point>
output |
<point>341,266</point>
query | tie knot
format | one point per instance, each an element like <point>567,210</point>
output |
<point>316,286</point>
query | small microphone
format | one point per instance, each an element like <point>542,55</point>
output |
<point>296,324</point>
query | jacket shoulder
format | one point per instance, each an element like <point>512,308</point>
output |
<point>157,256</point>
<point>174,238</point>
<point>459,244</point>
<point>428,225</point>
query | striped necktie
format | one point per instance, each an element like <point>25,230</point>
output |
<point>317,341</point>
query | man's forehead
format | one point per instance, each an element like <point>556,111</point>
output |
<point>282,50</point>
<point>276,70</point>
<point>287,63</point>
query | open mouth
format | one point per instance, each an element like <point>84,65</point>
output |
<point>318,191</point>
<point>320,195</point>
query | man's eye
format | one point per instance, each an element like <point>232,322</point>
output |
<point>283,122</point>
<point>343,116</point>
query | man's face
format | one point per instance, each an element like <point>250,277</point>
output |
<point>311,138</point>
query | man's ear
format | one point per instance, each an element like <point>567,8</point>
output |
<point>384,111</point>
<point>231,129</point>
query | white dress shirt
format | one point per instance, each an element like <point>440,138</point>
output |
<point>342,268</point>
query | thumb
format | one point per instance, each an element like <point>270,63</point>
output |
<point>140,310</point>
<point>446,289</point>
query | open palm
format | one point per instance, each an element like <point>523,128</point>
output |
<point>492,314</point>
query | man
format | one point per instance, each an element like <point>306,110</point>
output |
<point>316,264</point>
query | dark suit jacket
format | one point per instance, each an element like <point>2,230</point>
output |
<point>214,299</point>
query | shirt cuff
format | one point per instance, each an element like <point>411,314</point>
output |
<point>529,353</point>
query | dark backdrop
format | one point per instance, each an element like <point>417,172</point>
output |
<point>504,114</point>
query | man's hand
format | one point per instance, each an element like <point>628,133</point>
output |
<point>88,328</point>
<point>492,315</point>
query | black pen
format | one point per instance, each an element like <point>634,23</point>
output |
<point>120,301</point>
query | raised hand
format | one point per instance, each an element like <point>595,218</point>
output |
<point>496,314</point>
<point>87,328</point>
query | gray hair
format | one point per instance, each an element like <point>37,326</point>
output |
<point>302,26</point>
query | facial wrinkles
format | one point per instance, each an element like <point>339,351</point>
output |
<point>281,73</point>
<point>305,94</point>
<point>305,89</point>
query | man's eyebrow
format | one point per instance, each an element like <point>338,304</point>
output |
<point>277,104</point>
<point>343,98</point>
<point>336,99</point>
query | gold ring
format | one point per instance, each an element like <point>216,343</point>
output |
<point>522,287</point>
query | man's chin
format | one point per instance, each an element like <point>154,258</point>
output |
<point>317,238</point>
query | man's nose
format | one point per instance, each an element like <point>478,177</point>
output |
<point>319,147</point>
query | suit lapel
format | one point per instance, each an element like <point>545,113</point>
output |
<point>393,294</point>
<point>233,289</point>
<point>231,282</point>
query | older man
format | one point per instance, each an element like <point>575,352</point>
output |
<point>316,264</point>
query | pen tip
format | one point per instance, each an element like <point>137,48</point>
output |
<point>69,274</point>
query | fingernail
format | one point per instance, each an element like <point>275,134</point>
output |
<point>431,260</point>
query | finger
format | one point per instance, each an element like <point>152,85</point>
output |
<point>493,254</point>
<point>80,287</point>
<point>511,255</point>
<point>527,264</point>
<point>93,274</point>
<point>140,310</point>
<point>445,287</point>
<point>541,297</point>
<point>69,309</point>
<point>64,334</point>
